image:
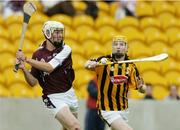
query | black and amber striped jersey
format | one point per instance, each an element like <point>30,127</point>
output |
<point>114,82</point>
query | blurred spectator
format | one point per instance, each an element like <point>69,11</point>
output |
<point>125,8</point>
<point>109,1</point>
<point>173,93</point>
<point>12,7</point>
<point>57,7</point>
<point>92,120</point>
<point>148,93</point>
<point>91,9</point>
<point>1,8</point>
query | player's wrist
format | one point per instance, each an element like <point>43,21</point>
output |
<point>27,60</point>
<point>23,68</point>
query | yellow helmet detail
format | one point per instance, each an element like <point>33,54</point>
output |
<point>120,38</point>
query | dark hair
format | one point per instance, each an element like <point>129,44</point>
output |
<point>149,84</point>
<point>16,5</point>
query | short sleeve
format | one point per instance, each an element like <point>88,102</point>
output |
<point>60,57</point>
<point>133,77</point>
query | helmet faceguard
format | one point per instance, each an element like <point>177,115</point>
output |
<point>48,29</point>
<point>119,46</point>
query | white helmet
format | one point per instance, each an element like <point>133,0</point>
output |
<point>50,26</point>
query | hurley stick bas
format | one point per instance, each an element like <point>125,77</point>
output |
<point>155,58</point>
<point>28,9</point>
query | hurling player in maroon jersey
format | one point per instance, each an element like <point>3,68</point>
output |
<point>52,68</point>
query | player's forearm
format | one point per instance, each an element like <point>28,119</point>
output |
<point>29,77</point>
<point>40,65</point>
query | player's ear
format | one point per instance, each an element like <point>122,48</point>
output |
<point>127,47</point>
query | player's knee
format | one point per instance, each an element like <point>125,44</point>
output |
<point>75,126</point>
<point>129,128</point>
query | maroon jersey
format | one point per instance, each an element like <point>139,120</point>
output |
<point>60,80</point>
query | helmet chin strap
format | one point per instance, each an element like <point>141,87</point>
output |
<point>56,44</point>
<point>117,56</point>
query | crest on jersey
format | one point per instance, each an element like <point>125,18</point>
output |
<point>118,79</point>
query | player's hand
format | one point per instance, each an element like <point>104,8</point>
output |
<point>104,61</point>
<point>20,56</point>
<point>141,85</point>
<point>20,63</point>
<point>90,64</point>
<point>140,81</point>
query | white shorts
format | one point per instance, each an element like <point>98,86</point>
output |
<point>54,102</point>
<point>110,116</point>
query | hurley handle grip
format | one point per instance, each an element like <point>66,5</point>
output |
<point>16,66</point>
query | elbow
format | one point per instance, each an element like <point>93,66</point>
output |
<point>49,70</point>
<point>32,83</point>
